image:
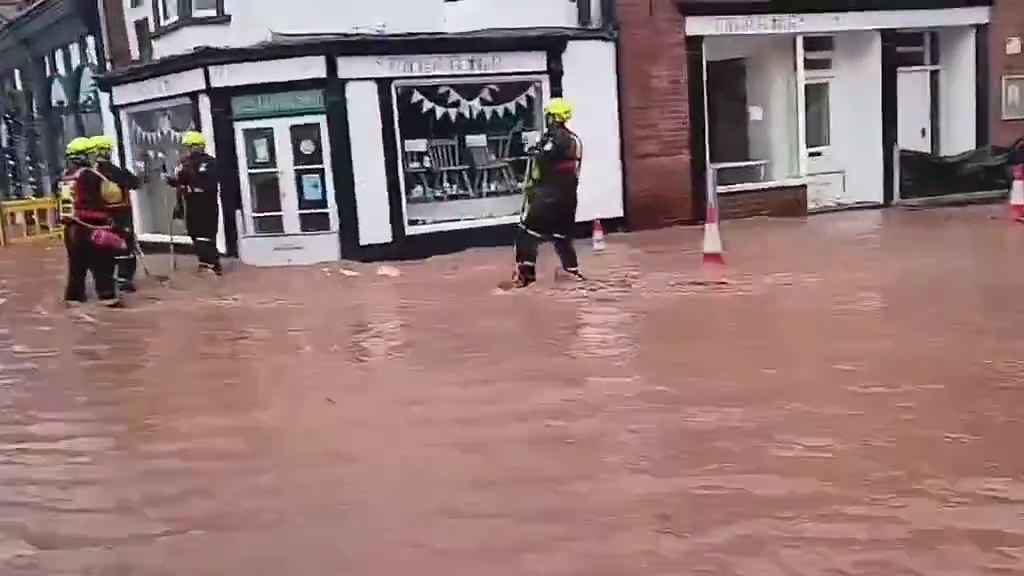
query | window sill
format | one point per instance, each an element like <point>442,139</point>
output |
<point>187,22</point>
<point>767,185</point>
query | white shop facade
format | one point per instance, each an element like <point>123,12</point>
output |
<point>395,147</point>
<point>827,100</point>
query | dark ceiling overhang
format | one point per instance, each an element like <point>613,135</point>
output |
<point>724,7</point>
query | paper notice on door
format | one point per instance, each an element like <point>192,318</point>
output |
<point>756,113</point>
<point>261,148</point>
<point>312,188</point>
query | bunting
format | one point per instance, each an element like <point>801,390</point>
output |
<point>458,105</point>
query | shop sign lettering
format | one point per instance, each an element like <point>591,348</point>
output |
<point>279,104</point>
<point>766,24</point>
<point>420,66</point>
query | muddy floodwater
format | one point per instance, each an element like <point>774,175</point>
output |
<point>851,403</point>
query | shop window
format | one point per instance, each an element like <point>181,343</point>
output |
<point>752,119</point>
<point>154,133</point>
<point>463,147</point>
<point>170,14</point>
<point>145,42</point>
<point>818,115</point>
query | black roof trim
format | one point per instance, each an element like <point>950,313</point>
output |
<point>290,46</point>
<point>730,7</point>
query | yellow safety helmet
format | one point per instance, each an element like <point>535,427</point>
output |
<point>102,142</point>
<point>78,147</point>
<point>193,139</point>
<point>559,109</point>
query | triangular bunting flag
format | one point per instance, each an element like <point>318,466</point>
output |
<point>452,113</point>
<point>416,97</point>
<point>439,112</point>
<point>453,97</point>
<point>488,112</point>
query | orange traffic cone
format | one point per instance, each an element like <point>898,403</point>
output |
<point>598,238</point>
<point>1017,193</point>
<point>713,239</point>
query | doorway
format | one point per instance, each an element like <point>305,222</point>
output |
<point>289,213</point>
<point>916,126</point>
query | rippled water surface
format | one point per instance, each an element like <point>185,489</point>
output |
<point>850,402</point>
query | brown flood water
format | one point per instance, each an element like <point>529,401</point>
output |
<point>851,404</point>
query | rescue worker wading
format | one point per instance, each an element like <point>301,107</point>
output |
<point>196,181</point>
<point>125,261</point>
<point>87,231</point>
<point>551,210</point>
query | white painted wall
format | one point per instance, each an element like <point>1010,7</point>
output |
<point>957,92</point>
<point>590,83</point>
<point>206,127</point>
<point>368,169</point>
<point>252,21</point>
<point>857,115</point>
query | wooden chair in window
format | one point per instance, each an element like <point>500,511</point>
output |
<point>449,169</point>
<point>417,168</point>
<point>490,158</point>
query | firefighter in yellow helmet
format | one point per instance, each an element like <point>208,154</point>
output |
<point>87,231</point>
<point>551,209</point>
<point>197,184</point>
<point>119,184</point>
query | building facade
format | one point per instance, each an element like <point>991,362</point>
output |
<point>786,107</point>
<point>1007,70</point>
<point>50,54</point>
<point>392,130</point>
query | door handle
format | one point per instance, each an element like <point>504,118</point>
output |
<point>924,132</point>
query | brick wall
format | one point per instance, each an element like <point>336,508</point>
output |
<point>787,202</point>
<point>1007,21</point>
<point>655,113</point>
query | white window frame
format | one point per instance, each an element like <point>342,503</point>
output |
<point>207,13</point>
<point>813,151</point>
<point>411,230</point>
<point>161,11</point>
<point>1006,113</point>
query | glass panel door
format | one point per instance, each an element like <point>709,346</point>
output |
<point>287,187</point>
<point>263,181</point>
<point>310,177</point>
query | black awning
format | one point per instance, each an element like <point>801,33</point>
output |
<point>723,7</point>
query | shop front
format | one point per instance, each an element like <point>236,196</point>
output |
<point>825,102</point>
<point>326,151</point>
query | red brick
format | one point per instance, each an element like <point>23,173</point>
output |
<point>655,113</point>
<point>1007,21</point>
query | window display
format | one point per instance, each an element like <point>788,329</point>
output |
<point>462,147</point>
<point>753,128</point>
<point>154,135</point>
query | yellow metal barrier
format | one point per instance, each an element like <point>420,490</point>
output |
<point>27,221</point>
